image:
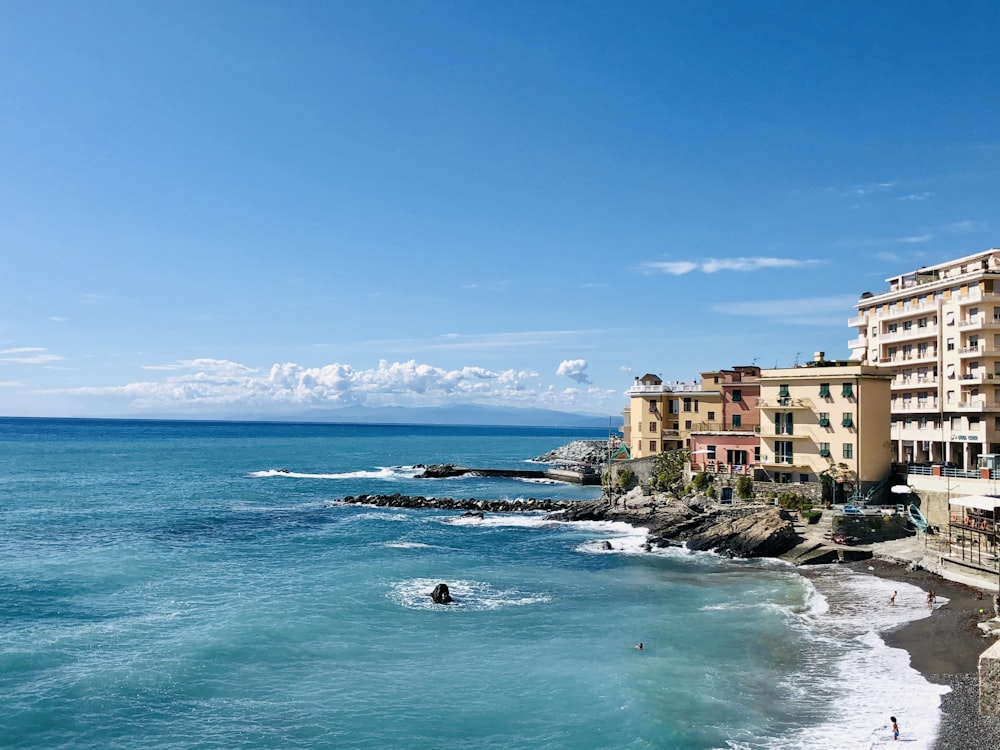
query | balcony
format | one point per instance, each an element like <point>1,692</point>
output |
<point>770,434</point>
<point>920,381</point>
<point>910,308</point>
<point>979,351</point>
<point>782,462</point>
<point>858,343</point>
<point>915,405</point>
<point>910,334</point>
<point>785,403</point>
<point>929,355</point>
<point>976,404</point>
<point>976,377</point>
<point>724,427</point>
<point>858,321</point>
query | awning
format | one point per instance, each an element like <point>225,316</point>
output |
<point>981,502</point>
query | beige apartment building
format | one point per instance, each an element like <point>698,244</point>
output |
<point>937,330</point>
<point>661,416</point>
<point>820,415</point>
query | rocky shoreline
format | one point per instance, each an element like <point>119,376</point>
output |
<point>468,504</point>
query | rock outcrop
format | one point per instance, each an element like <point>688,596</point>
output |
<point>766,533</point>
<point>579,451</point>
<point>441,594</point>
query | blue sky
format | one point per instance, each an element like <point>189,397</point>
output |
<point>258,207</point>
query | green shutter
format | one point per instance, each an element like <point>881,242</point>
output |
<point>847,421</point>
<point>847,391</point>
<point>824,390</point>
<point>783,392</point>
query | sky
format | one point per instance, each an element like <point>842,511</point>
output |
<point>260,208</point>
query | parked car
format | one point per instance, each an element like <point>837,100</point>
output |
<point>852,510</point>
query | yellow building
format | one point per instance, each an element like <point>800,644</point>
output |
<point>661,416</point>
<point>823,414</point>
<point>937,330</point>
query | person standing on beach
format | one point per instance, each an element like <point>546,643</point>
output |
<point>895,728</point>
<point>892,599</point>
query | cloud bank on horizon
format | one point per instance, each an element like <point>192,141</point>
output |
<point>215,383</point>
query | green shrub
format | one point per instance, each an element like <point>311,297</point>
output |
<point>710,492</point>
<point>626,478</point>
<point>700,481</point>
<point>812,516</point>
<point>744,487</point>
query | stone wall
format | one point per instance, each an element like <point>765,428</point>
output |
<point>869,529</point>
<point>989,681</point>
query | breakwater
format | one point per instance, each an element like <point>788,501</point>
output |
<point>468,504</point>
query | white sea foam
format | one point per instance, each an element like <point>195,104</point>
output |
<point>407,545</point>
<point>539,480</point>
<point>389,473</point>
<point>863,681</point>
<point>415,593</point>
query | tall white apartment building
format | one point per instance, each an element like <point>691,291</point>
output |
<point>937,330</point>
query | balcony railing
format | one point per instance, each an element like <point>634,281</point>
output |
<point>785,403</point>
<point>910,334</point>
<point>919,404</point>
<point>858,343</point>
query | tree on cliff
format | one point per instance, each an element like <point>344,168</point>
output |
<point>668,472</point>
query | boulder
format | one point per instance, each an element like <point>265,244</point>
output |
<point>441,595</point>
<point>442,471</point>
<point>767,533</point>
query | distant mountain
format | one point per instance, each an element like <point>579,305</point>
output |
<point>458,415</point>
<point>461,414</point>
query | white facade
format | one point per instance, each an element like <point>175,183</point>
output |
<point>938,331</point>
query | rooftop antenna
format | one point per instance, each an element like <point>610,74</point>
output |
<point>797,355</point>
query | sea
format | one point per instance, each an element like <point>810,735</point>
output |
<point>171,584</point>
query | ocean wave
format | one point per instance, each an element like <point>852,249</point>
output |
<point>851,669</point>
<point>468,595</point>
<point>408,545</point>
<point>389,473</point>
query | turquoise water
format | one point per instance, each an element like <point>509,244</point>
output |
<point>162,585</point>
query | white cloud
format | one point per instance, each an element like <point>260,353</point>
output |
<point>58,319</point>
<point>222,383</point>
<point>28,355</point>
<point>574,369</point>
<point>916,196</point>
<point>713,265</point>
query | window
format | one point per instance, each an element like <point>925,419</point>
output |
<point>950,346</point>
<point>711,416</point>
<point>848,420</point>
<point>824,450</point>
<point>824,419</point>
<point>824,390</point>
<point>711,453</point>
<point>737,420</point>
<point>756,452</point>
<point>783,423</point>
<point>907,325</point>
<point>652,446</point>
<point>652,426</point>
<point>921,350</point>
<point>675,407</point>
<point>783,391</point>
<point>687,424</point>
<point>922,323</point>
<point>652,406</point>
<point>687,404</point>
<point>737,395</point>
<point>803,478</point>
<point>696,404</point>
<point>783,451</point>
<point>736,457</point>
<point>848,450</point>
<point>847,390</point>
